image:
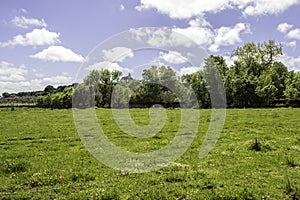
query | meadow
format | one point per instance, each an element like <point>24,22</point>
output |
<point>256,157</point>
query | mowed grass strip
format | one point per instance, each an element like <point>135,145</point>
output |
<point>256,157</point>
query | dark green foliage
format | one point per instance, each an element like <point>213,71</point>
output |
<point>292,91</point>
<point>57,100</point>
<point>49,89</point>
<point>256,79</point>
<point>33,97</point>
<point>261,145</point>
<point>5,95</point>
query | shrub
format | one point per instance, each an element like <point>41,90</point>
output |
<point>256,146</point>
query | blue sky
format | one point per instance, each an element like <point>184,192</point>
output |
<point>48,42</point>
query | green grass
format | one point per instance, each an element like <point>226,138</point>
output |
<point>256,157</point>
<point>17,104</point>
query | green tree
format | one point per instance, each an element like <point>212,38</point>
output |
<point>266,88</point>
<point>121,96</point>
<point>280,74</point>
<point>48,100</point>
<point>248,82</point>
<point>199,86</point>
<point>56,100</point>
<point>5,95</point>
<point>100,84</point>
<point>214,72</point>
<point>49,89</point>
<point>67,97</point>
<point>256,58</point>
<point>292,91</point>
<point>209,81</point>
<point>271,83</point>
<point>40,101</point>
<point>159,85</point>
<point>82,97</point>
<point>92,78</point>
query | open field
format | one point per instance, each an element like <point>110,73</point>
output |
<point>42,157</point>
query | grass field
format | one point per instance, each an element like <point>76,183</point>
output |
<point>256,157</point>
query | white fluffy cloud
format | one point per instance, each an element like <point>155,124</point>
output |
<point>13,79</point>
<point>37,37</point>
<point>161,37</point>
<point>266,7</point>
<point>23,10</point>
<point>189,70</point>
<point>198,33</point>
<point>227,36</point>
<point>184,9</point>
<point>202,36</point>
<point>284,27</point>
<point>291,44</point>
<point>34,84</point>
<point>10,73</point>
<point>122,7</point>
<point>24,22</point>
<point>12,87</point>
<point>294,34</point>
<point>229,59</point>
<point>190,36</point>
<point>58,54</point>
<point>117,54</point>
<point>199,22</point>
<point>293,63</point>
<point>57,79</point>
<point>214,39</point>
<point>173,57</point>
<point>111,66</point>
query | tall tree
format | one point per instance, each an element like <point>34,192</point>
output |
<point>158,83</point>
<point>249,83</point>
<point>101,84</point>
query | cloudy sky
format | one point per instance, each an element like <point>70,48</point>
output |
<point>47,42</point>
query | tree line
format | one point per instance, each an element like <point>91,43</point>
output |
<point>255,79</point>
<point>40,98</point>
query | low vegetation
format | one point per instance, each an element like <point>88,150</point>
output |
<point>256,157</point>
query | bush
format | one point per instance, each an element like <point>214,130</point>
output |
<point>256,146</point>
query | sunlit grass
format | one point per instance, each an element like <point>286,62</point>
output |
<point>42,157</point>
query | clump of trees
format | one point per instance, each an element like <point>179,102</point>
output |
<point>256,79</point>
<point>49,97</point>
<point>107,89</point>
<point>20,98</point>
<point>58,99</point>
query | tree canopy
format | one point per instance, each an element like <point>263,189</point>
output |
<point>256,79</point>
